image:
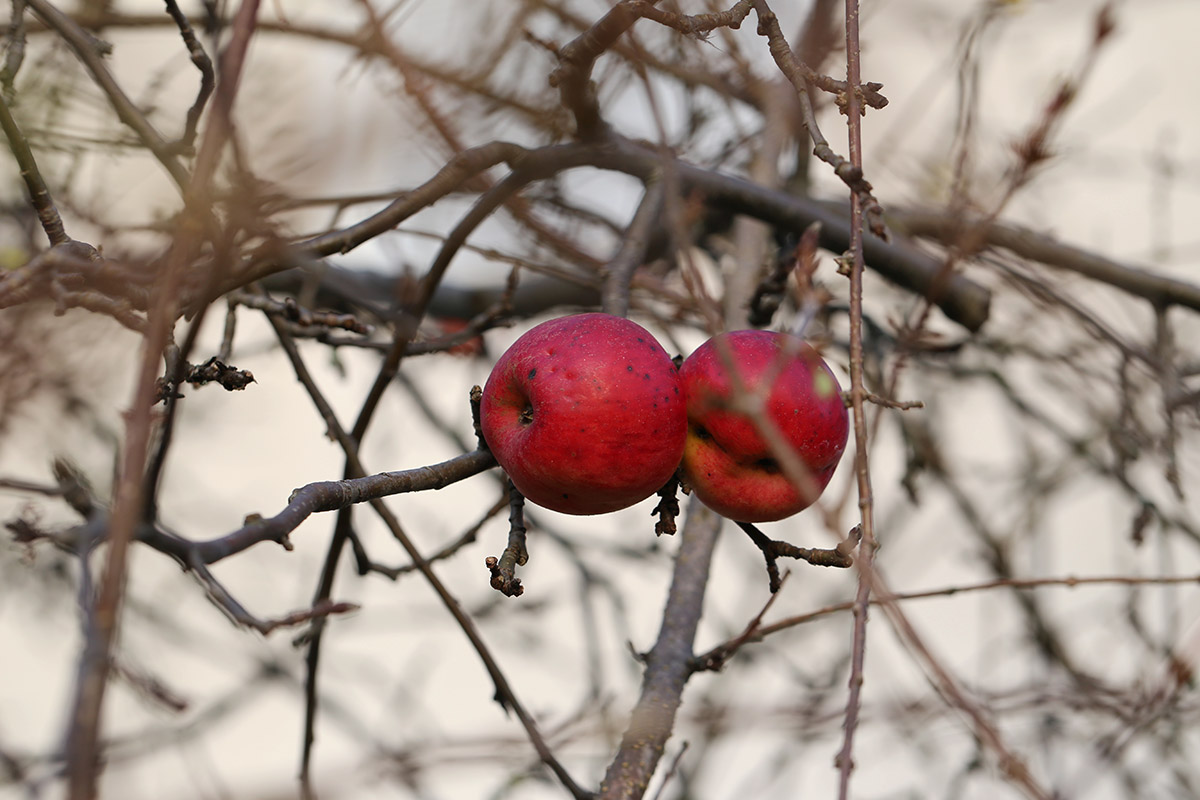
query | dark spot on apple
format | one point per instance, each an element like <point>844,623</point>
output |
<point>646,377</point>
<point>526,416</point>
<point>768,465</point>
<point>532,372</point>
<point>640,339</point>
<point>676,390</point>
<point>629,367</point>
<point>566,496</point>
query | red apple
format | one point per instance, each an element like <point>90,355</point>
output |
<point>585,414</point>
<point>726,461</point>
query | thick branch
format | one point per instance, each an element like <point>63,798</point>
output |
<point>669,664</point>
<point>961,299</point>
<point>949,229</point>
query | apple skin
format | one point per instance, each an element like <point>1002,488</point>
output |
<point>586,414</point>
<point>726,462</point>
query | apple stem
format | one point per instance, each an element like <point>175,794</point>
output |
<point>504,569</point>
<point>773,549</point>
<point>476,402</point>
<point>667,508</point>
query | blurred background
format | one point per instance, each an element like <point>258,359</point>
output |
<point>1043,498</point>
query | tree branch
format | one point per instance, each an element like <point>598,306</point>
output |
<point>949,229</point>
<point>669,664</point>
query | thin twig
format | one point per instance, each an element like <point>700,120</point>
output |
<point>296,314</point>
<point>773,550</point>
<point>207,77</point>
<point>39,192</point>
<point>851,100</point>
<point>761,632</point>
<point>237,613</point>
<point>866,551</point>
<point>14,49</point>
<point>372,489</point>
<point>85,48</point>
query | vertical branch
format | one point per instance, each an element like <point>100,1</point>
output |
<point>669,664</point>
<point>15,47</point>
<point>632,252</point>
<point>845,756</point>
<point>1164,346</point>
<point>83,739</point>
<point>1010,764</point>
<point>203,63</point>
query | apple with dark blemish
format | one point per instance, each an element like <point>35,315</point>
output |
<point>585,413</point>
<point>726,461</point>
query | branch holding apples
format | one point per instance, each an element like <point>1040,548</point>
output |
<point>588,414</point>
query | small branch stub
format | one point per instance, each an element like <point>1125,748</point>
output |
<point>476,402</point>
<point>504,569</point>
<point>667,509</point>
<point>773,550</point>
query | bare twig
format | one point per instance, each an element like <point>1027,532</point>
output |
<point>716,658</point>
<point>773,550</point>
<point>516,554</point>
<point>223,600</point>
<point>851,100</point>
<point>85,48</point>
<point>858,393</point>
<point>207,77</point>
<point>293,312</point>
<point>14,48</point>
<point>39,192</point>
<point>761,632</point>
<point>630,254</point>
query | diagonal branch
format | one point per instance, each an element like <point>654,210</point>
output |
<point>1160,290</point>
<point>39,192</point>
<point>85,49</point>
